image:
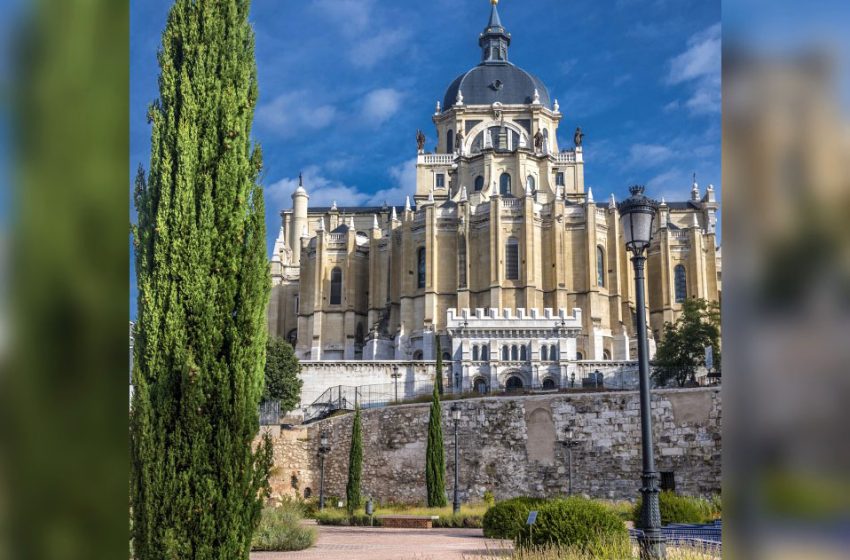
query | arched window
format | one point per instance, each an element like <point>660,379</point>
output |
<point>505,184</point>
<point>417,355</point>
<point>523,353</point>
<point>420,268</point>
<point>505,353</point>
<point>461,262</point>
<point>579,356</point>
<point>600,266</point>
<point>681,283</point>
<point>544,353</point>
<point>530,185</point>
<point>358,334</point>
<point>292,337</point>
<point>514,353</point>
<point>606,355</point>
<point>553,353</point>
<point>450,142</point>
<point>479,183</point>
<point>474,353</point>
<point>514,383</point>
<point>485,353</point>
<point>512,259</point>
<point>336,286</point>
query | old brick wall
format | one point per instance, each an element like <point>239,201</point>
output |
<point>512,446</point>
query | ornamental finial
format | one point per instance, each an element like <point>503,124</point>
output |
<point>494,2</point>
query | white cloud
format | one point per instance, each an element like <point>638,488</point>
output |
<point>673,184</point>
<point>381,104</point>
<point>353,16</point>
<point>367,52</point>
<point>648,155</point>
<point>699,66</point>
<point>324,191</point>
<point>294,112</point>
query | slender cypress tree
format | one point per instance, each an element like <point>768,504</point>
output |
<point>197,483</point>
<point>355,464</point>
<point>435,458</point>
<point>439,375</point>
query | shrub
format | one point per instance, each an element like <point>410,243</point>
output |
<point>576,522</point>
<point>507,518</point>
<point>489,499</point>
<point>280,529</point>
<point>341,518</point>
<point>458,521</point>
<point>676,509</point>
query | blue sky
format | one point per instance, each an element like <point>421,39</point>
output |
<point>344,84</point>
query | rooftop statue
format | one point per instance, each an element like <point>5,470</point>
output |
<point>420,140</point>
<point>577,137</point>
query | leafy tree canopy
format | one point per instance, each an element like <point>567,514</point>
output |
<point>282,369</point>
<point>682,350</point>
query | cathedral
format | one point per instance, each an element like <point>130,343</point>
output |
<point>502,259</point>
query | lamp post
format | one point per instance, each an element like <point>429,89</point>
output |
<point>456,417</point>
<point>569,442</point>
<point>637,217</point>
<point>324,448</point>
<point>395,375</point>
<point>596,375</point>
<point>572,380</point>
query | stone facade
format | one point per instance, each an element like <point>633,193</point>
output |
<point>511,446</point>
<point>501,219</point>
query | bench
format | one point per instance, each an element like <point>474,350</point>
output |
<point>408,521</point>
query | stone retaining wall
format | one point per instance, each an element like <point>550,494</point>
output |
<point>512,446</point>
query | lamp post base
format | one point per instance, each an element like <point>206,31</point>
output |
<point>652,546</point>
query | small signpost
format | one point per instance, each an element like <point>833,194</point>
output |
<point>532,517</point>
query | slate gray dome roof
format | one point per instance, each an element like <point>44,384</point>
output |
<point>495,78</point>
<point>487,83</point>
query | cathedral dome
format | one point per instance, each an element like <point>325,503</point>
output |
<point>486,84</point>
<point>495,79</point>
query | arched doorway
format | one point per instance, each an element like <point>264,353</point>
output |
<point>479,386</point>
<point>548,384</point>
<point>514,383</point>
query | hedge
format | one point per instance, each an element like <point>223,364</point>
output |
<point>574,522</point>
<point>507,518</point>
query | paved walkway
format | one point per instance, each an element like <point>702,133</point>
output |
<point>367,543</point>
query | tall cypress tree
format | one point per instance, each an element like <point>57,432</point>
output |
<point>439,375</point>
<point>355,464</point>
<point>196,483</point>
<point>435,458</point>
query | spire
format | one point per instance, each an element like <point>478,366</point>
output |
<point>394,216</point>
<point>333,207</point>
<point>612,204</point>
<point>494,40</point>
<point>695,189</point>
<point>351,223</point>
<point>589,195</point>
<point>375,222</point>
<point>407,204</point>
<point>695,220</point>
<point>463,195</point>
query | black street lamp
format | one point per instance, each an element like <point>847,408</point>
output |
<point>569,442</point>
<point>456,417</point>
<point>324,449</point>
<point>572,380</point>
<point>395,375</point>
<point>637,217</point>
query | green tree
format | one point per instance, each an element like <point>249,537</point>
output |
<point>282,369</point>
<point>197,482</point>
<point>682,349</point>
<point>355,464</point>
<point>439,375</point>
<point>435,458</point>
